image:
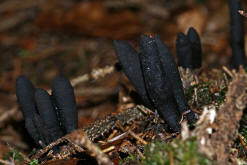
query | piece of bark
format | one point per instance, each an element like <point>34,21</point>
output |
<point>216,135</point>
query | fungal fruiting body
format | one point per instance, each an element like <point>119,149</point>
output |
<point>47,117</point>
<point>154,74</point>
<point>189,51</point>
<point>237,35</point>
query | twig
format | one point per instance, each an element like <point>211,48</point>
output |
<point>47,148</point>
<point>196,96</point>
<point>140,153</point>
<point>241,139</point>
<point>137,137</point>
<point>112,135</point>
<point>123,135</point>
<point>108,149</point>
<point>8,114</point>
<point>94,75</point>
<point>81,139</point>
<point>227,71</point>
<point>120,126</point>
<point>145,109</point>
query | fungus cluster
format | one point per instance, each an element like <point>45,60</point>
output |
<point>47,117</point>
<point>152,71</point>
<point>155,76</point>
<point>189,51</point>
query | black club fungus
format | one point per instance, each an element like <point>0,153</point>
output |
<point>131,66</point>
<point>189,51</point>
<point>64,97</point>
<point>158,78</point>
<point>48,114</point>
<point>237,35</point>
<point>47,118</point>
<point>196,48</point>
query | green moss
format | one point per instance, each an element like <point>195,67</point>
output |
<point>34,162</point>
<point>131,159</point>
<point>243,131</point>
<point>204,95</point>
<point>181,152</point>
<point>222,95</point>
<point>13,155</point>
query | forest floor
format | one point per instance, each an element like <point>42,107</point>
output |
<point>44,39</point>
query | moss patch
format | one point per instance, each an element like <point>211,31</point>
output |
<point>206,94</point>
<point>177,152</point>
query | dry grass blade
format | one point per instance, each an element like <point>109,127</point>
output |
<point>227,71</point>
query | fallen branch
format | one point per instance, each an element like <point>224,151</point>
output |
<point>82,140</point>
<point>93,75</point>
